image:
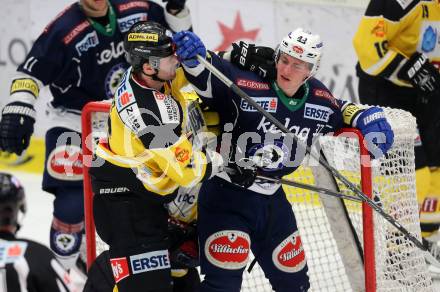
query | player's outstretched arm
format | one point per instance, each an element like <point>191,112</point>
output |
<point>373,125</point>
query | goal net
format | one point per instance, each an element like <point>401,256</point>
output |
<point>348,247</point>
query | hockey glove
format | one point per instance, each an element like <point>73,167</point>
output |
<point>16,127</point>
<point>255,59</point>
<point>421,74</point>
<point>242,176</point>
<point>175,4</point>
<point>376,130</point>
<point>189,46</point>
<point>183,244</point>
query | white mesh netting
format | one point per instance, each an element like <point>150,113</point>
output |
<point>399,265</point>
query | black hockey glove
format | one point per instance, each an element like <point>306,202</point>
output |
<point>16,127</point>
<point>175,4</point>
<point>421,74</point>
<point>255,59</point>
<point>183,244</point>
<point>243,176</point>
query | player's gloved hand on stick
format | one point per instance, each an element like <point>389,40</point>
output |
<point>16,127</point>
<point>243,176</point>
<point>421,74</point>
<point>253,58</point>
<point>175,4</point>
<point>189,46</point>
<point>376,130</point>
<point>183,244</point>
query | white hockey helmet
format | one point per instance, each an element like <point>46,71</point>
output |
<point>303,45</point>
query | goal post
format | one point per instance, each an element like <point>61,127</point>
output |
<point>348,247</point>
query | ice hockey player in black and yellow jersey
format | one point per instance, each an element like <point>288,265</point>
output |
<point>154,147</point>
<point>398,46</point>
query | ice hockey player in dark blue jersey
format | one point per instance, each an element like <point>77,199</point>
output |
<point>238,213</point>
<point>80,57</point>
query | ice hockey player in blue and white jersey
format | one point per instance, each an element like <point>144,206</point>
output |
<point>80,57</point>
<point>236,212</point>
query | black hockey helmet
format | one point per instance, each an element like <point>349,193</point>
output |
<point>12,200</point>
<point>147,42</point>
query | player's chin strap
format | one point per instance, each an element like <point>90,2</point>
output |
<point>154,76</point>
<point>351,186</point>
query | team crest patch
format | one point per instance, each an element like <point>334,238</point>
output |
<point>270,156</point>
<point>119,268</point>
<point>65,163</point>
<point>65,243</point>
<point>228,249</point>
<point>113,78</point>
<point>181,154</point>
<point>289,255</point>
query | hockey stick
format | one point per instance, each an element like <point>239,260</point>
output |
<point>320,190</point>
<point>322,161</point>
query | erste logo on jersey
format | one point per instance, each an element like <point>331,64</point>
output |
<point>289,255</point>
<point>119,268</point>
<point>228,249</point>
<point>269,104</point>
<point>317,112</point>
<point>89,41</point>
<point>150,261</point>
<point>126,22</point>
<point>251,84</point>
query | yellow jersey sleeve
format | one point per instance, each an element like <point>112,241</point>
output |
<point>387,36</point>
<point>147,134</point>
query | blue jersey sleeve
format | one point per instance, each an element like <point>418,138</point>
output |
<point>46,59</point>
<point>206,84</point>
